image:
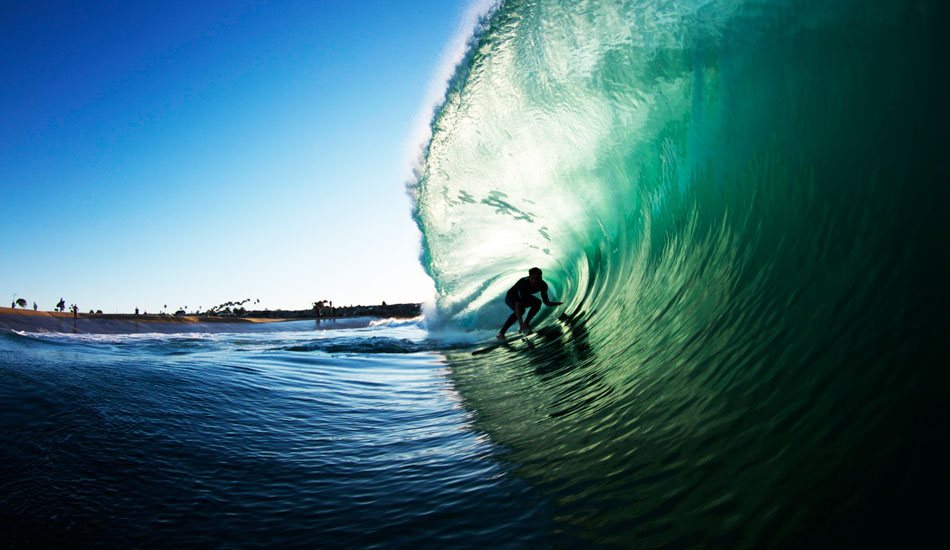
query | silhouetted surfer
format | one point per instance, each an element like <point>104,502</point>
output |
<point>520,296</point>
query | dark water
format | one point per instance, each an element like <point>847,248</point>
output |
<point>297,437</point>
<point>741,204</point>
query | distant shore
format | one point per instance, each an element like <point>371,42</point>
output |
<point>264,316</point>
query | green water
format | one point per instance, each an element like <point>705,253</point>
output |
<point>741,204</point>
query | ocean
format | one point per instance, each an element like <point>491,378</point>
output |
<point>293,434</point>
<point>740,204</point>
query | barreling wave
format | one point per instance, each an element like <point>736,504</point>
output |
<point>740,204</point>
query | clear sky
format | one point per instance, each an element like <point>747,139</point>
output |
<point>192,153</point>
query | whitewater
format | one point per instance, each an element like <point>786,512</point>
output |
<point>740,204</point>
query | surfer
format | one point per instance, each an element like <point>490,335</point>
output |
<point>520,296</point>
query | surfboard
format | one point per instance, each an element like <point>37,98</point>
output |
<point>506,343</point>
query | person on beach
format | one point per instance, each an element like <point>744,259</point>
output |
<point>520,296</point>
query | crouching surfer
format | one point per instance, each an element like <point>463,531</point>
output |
<point>521,296</point>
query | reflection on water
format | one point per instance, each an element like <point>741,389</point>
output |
<point>247,440</point>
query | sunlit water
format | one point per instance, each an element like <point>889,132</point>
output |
<point>742,204</point>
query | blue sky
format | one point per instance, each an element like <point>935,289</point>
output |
<point>191,153</point>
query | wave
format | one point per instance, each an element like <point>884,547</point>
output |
<point>362,346</point>
<point>739,203</point>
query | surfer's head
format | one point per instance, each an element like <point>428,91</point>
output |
<point>534,275</point>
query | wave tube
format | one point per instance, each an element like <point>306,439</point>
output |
<point>740,204</point>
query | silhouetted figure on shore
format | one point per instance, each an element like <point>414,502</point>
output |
<point>34,306</point>
<point>520,296</point>
<point>61,306</point>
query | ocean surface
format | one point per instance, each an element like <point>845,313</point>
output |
<point>294,434</point>
<point>742,205</point>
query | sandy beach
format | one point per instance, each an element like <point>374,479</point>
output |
<point>55,321</point>
<point>116,323</point>
<point>150,318</point>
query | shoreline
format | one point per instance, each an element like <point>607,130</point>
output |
<point>56,321</point>
<point>382,311</point>
<point>149,318</point>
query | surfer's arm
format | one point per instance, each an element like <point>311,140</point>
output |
<point>547,302</point>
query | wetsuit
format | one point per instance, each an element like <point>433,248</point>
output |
<point>522,292</point>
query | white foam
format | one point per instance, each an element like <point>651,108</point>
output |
<point>469,24</point>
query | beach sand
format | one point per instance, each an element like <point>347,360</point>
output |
<point>151,318</point>
<point>104,323</point>
<point>53,321</point>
